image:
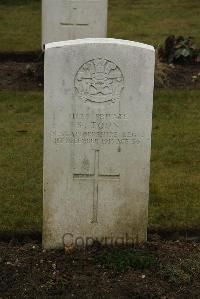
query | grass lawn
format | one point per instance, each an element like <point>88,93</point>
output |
<point>175,171</point>
<point>20,28</point>
<point>149,21</point>
<point>175,167</point>
<point>21,135</point>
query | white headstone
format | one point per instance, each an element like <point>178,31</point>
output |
<point>98,118</point>
<point>73,19</point>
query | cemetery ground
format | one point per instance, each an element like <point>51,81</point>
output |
<point>154,270</point>
<point>174,185</point>
<point>127,19</point>
<point>158,269</point>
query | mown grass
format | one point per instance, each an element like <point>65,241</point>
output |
<point>149,21</point>
<point>21,135</point>
<point>20,28</point>
<point>175,167</point>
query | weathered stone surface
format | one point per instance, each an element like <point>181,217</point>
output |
<point>72,19</point>
<point>98,117</point>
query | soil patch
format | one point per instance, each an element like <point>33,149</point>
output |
<point>20,76</point>
<point>162,270</point>
<point>34,56</point>
<point>24,71</point>
<point>177,76</point>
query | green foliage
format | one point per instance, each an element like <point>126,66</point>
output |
<point>174,274</point>
<point>191,265</point>
<point>180,50</point>
<point>183,273</point>
<point>122,260</point>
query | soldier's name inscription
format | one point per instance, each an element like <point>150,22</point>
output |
<point>101,129</point>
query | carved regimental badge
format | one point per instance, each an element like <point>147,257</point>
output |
<point>99,81</point>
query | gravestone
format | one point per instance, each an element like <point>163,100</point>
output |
<point>73,19</point>
<point>97,141</point>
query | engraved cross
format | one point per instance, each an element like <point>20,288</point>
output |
<point>95,177</point>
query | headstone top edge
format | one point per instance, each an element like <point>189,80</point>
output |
<point>62,44</point>
<point>80,0</point>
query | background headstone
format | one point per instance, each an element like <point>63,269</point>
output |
<point>98,118</point>
<point>73,19</point>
